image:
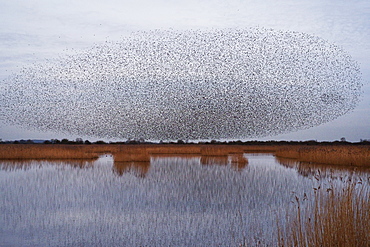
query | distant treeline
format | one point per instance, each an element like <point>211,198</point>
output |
<point>212,142</point>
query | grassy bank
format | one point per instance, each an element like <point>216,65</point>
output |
<point>332,217</point>
<point>335,154</point>
<point>26,151</point>
<point>354,155</point>
<point>140,152</point>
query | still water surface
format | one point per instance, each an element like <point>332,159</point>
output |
<point>169,201</point>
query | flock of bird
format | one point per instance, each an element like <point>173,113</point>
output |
<point>195,84</point>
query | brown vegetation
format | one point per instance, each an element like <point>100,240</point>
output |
<point>122,152</point>
<point>131,153</point>
<point>332,218</point>
<point>28,151</point>
<point>309,169</point>
<point>337,218</point>
<point>327,154</point>
<point>335,154</point>
<point>174,149</point>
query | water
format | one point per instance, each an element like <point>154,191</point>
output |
<point>169,201</point>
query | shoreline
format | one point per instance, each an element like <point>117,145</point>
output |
<point>334,153</point>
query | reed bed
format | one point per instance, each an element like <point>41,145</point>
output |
<point>220,150</point>
<point>262,148</point>
<point>120,152</point>
<point>27,151</point>
<point>131,153</point>
<point>102,148</point>
<point>337,218</point>
<point>142,153</point>
<point>174,149</point>
<point>336,155</point>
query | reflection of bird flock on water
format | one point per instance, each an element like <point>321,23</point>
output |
<point>188,85</point>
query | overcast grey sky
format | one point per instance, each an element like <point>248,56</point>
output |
<point>34,30</point>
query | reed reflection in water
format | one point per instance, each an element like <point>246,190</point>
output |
<point>325,171</point>
<point>189,200</point>
<point>13,165</point>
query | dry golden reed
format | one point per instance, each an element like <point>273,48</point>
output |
<point>337,218</point>
<point>27,151</point>
<point>336,155</point>
<point>174,149</point>
<point>120,152</point>
<point>131,153</point>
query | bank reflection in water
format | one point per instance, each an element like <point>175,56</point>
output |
<point>324,171</point>
<point>237,161</point>
<point>134,163</point>
<point>12,165</point>
<point>137,168</point>
<point>137,162</point>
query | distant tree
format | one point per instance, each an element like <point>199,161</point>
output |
<point>79,141</point>
<point>100,142</point>
<point>180,142</point>
<point>87,142</point>
<point>47,142</point>
<point>55,141</point>
<point>65,141</point>
<point>343,139</point>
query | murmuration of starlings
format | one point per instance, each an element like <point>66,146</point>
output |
<point>194,84</point>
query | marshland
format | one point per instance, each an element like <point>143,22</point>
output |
<point>239,194</point>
